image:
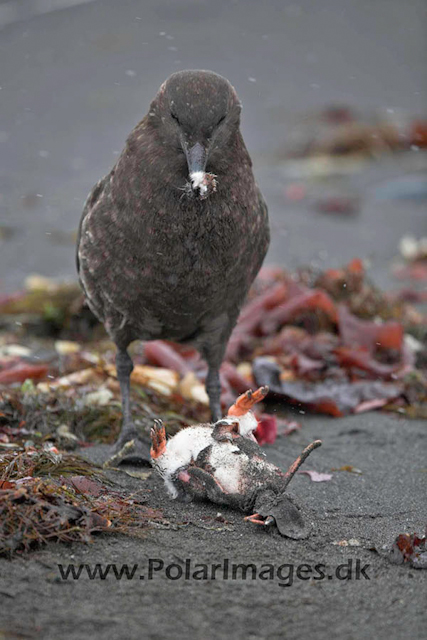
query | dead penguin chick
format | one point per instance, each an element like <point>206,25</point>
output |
<point>226,466</point>
<point>187,445</point>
